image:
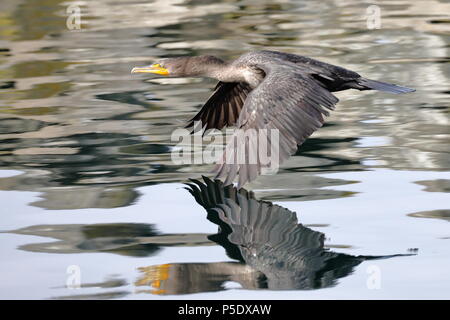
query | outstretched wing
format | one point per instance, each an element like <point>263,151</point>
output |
<point>336,78</point>
<point>223,106</point>
<point>256,225</point>
<point>290,101</point>
<point>322,70</point>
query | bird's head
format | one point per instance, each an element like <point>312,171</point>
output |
<point>181,66</point>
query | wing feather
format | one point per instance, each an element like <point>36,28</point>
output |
<point>223,106</point>
<point>288,100</point>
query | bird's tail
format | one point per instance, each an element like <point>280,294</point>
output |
<point>367,84</point>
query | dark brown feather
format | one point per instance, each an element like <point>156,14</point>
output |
<point>223,106</point>
<point>287,100</point>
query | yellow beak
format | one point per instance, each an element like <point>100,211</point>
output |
<point>154,68</point>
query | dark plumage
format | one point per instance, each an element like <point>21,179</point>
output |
<point>266,90</point>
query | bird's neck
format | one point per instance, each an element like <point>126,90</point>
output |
<point>224,72</point>
<point>233,73</point>
<point>212,67</point>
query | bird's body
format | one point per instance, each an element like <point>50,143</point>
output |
<point>266,90</point>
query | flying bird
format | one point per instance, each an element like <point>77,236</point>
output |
<point>265,90</point>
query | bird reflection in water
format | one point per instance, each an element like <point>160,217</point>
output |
<point>273,251</point>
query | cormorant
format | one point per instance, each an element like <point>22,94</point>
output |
<point>265,90</point>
